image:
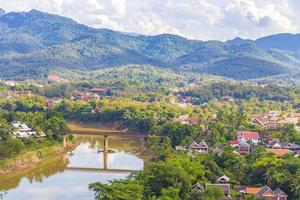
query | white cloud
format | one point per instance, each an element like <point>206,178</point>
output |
<point>201,19</point>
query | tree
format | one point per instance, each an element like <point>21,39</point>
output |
<point>211,193</point>
<point>127,189</point>
<point>169,194</point>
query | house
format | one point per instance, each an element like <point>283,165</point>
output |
<point>233,143</point>
<point>23,131</point>
<point>223,180</point>
<point>256,120</point>
<point>271,125</point>
<point>202,147</point>
<point>291,146</point>
<point>244,148</point>
<point>275,145</point>
<point>279,152</point>
<point>264,193</point>
<point>248,136</point>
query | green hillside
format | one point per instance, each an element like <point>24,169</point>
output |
<point>34,42</point>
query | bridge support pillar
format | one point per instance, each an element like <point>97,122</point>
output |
<point>143,145</point>
<point>65,142</point>
<point>105,151</point>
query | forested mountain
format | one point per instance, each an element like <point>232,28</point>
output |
<point>31,41</point>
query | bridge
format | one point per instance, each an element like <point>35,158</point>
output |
<point>109,133</point>
<point>105,135</point>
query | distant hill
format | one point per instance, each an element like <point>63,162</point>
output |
<point>34,41</point>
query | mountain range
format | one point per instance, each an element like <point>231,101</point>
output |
<point>34,40</point>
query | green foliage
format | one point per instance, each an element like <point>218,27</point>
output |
<point>118,190</point>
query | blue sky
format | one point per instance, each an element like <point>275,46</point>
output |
<point>195,19</point>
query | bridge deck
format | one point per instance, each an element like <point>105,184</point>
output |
<point>108,133</point>
<point>101,170</point>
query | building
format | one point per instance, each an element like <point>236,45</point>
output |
<point>223,180</point>
<point>279,152</point>
<point>202,147</point>
<point>248,136</point>
<point>274,125</point>
<point>100,90</point>
<point>244,148</point>
<point>263,193</point>
<point>233,143</point>
<point>23,131</point>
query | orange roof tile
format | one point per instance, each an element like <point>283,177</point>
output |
<point>279,152</point>
<point>252,190</point>
<point>249,134</point>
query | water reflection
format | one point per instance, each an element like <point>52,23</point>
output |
<point>52,179</point>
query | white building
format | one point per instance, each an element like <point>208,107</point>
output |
<point>23,131</point>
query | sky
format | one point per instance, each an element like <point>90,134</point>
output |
<point>194,19</point>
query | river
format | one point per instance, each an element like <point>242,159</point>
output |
<point>66,177</point>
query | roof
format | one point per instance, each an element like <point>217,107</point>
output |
<point>290,146</point>
<point>99,90</point>
<point>249,134</point>
<point>279,152</point>
<point>279,192</point>
<point>252,190</point>
<point>244,144</point>
<point>193,144</point>
<point>232,142</point>
<point>266,192</point>
<point>203,144</point>
<point>198,186</point>
<point>224,177</point>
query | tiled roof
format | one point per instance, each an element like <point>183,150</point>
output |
<point>279,192</point>
<point>252,190</point>
<point>279,152</point>
<point>231,142</point>
<point>266,191</point>
<point>249,135</point>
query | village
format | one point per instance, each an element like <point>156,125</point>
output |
<point>245,142</point>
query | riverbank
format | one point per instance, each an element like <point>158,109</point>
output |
<point>31,158</point>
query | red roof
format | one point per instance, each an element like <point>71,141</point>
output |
<point>249,135</point>
<point>232,142</point>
